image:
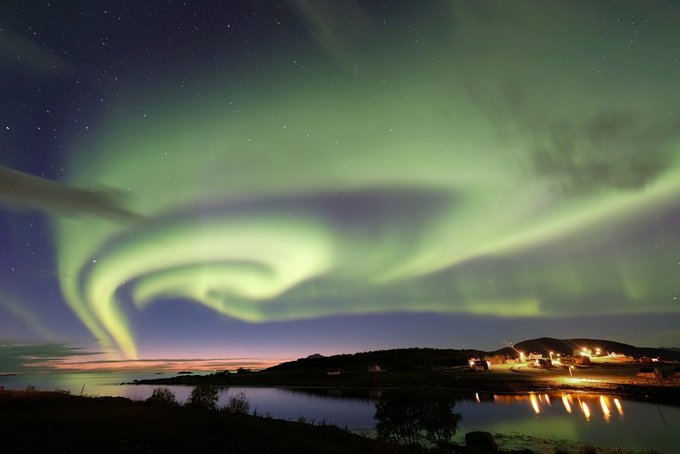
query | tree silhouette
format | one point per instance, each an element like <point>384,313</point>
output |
<point>162,396</point>
<point>408,417</point>
<point>238,404</point>
<point>203,396</point>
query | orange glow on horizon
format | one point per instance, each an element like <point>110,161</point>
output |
<point>159,365</point>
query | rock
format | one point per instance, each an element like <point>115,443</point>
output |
<point>480,443</point>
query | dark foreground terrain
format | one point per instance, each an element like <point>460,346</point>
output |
<point>50,422</point>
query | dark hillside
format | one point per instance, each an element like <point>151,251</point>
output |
<point>403,360</point>
<point>545,345</point>
<point>37,422</point>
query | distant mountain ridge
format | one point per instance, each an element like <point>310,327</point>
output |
<point>545,345</point>
<point>402,359</point>
<point>410,359</point>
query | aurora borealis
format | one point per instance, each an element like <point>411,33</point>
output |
<point>494,170</point>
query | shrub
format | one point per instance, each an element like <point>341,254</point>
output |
<point>162,396</point>
<point>203,396</point>
<point>238,404</point>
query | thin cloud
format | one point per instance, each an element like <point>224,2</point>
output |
<point>22,190</point>
<point>169,365</point>
<point>23,56</point>
<point>22,357</point>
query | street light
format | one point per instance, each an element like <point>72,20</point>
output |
<point>551,353</point>
<point>570,374</point>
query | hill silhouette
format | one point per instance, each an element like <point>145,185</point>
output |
<point>412,359</point>
<point>401,359</point>
<point>545,345</point>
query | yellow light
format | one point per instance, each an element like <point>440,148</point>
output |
<point>565,402</point>
<point>534,403</point>
<point>618,406</point>
<point>605,408</point>
<point>586,410</point>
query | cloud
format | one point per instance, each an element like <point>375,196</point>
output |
<point>336,27</point>
<point>18,311</point>
<point>573,105</point>
<point>611,150</point>
<point>22,357</point>
<point>21,190</point>
<point>21,55</point>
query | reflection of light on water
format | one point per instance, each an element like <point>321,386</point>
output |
<point>477,397</point>
<point>586,410</point>
<point>534,403</point>
<point>572,403</point>
<point>604,403</point>
<point>565,402</point>
<point>618,406</point>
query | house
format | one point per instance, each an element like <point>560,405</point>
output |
<point>582,352</point>
<point>479,365</point>
<point>544,363</point>
<point>534,356</point>
<point>649,372</point>
<point>541,363</point>
<point>648,360</point>
<point>375,368</point>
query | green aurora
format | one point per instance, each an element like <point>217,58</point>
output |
<point>483,162</point>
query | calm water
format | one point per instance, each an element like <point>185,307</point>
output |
<point>588,418</point>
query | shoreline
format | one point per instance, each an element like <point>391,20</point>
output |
<point>59,418</point>
<point>666,391</point>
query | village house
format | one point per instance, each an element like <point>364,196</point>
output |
<point>650,372</point>
<point>479,365</point>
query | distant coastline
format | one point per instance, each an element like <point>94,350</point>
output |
<point>448,368</point>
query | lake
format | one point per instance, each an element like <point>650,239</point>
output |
<point>601,420</point>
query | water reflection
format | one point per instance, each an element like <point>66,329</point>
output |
<point>604,403</point>
<point>586,410</point>
<point>534,403</point>
<point>605,420</point>
<point>566,401</point>
<point>585,402</point>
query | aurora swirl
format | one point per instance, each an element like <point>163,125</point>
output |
<point>460,165</point>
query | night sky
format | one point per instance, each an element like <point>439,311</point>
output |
<point>249,182</point>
